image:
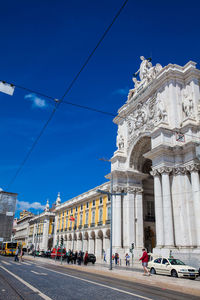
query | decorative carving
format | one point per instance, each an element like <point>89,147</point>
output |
<point>165,170</point>
<point>155,172</point>
<point>187,105</point>
<point>140,117</point>
<point>193,168</point>
<point>179,170</point>
<point>120,142</point>
<point>161,114</point>
<point>146,74</point>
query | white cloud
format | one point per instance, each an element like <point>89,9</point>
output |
<point>27,205</point>
<point>121,91</point>
<point>36,101</point>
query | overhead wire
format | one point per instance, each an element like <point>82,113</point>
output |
<point>58,102</point>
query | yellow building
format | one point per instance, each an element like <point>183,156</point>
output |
<point>83,223</point>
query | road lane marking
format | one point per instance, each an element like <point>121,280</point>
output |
<point>6,263</point>
<point>99,284</point>
<point>25,263</point>
<point>27,284</point>
<point>38,273</point>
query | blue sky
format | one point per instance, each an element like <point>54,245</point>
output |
<point>43,45</point>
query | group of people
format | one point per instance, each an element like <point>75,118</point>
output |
<point>19,252</point>
<point>77,257</point>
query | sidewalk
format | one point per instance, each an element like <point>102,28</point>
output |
<point>187,286</point>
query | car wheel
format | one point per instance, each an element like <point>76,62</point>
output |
<point>153,271</point>
<point>174,273</point>
<point>93,262</point>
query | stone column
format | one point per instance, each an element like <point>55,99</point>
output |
<point>139,219</point>
<point>167,208</point>
<point>98,248</point>
<point>158,209</point>
<point>196,199</point>
<point>55,231</point>
<point>129,218</point>
<point>79,245</point>
<point>116,216</point>
<point>180,207</point>
<point>45,235</point>
<point>91,246</point>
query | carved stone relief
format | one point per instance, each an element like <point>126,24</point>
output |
<point>187,105</point>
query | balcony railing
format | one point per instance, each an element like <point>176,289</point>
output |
<point>80,226</point>
<point>86,226</point>
<point>70,228</point>
<point>92,225</point>
<point>107,222</point>
<point>100,223</point>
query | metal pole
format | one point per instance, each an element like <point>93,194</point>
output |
<point>111,191</point>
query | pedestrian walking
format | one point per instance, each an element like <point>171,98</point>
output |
<point>21,254</point>
<point>104,257</point>
<point>127,259</point>
<point>144,260</point>
<point>79,258</point>
<point>116,258</point>
<point>16,254</point>
<point>75,257</point>
<point>86,258</point>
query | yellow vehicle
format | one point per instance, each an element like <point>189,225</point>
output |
<point>8,248</point>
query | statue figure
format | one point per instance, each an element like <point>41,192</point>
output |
<point>187,105</point>
<point>145,66</point>
<point>120,142</point>
<point>136,82</point>
<point>161,111</point>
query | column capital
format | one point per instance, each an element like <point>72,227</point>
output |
<point>133,190</point>
<point>193,168</point>
<point>155,172</point>
<point>180,170</point>
<point>165,170</point>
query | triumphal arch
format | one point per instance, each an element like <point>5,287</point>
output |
<point>157,163</point>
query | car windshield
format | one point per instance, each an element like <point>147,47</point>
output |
<point>176,262</point>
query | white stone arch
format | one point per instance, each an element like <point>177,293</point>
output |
<point>140,146</point>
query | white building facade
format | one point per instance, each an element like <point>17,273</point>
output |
<point>157,164</point>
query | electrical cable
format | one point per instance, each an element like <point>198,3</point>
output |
<point>57,104</point>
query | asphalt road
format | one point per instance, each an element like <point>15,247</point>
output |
<point>36,280</point>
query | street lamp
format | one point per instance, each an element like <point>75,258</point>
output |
<point>110,194</point>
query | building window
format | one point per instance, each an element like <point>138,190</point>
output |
<point>93,216</point>
<point>100,215</point>
<point>93,202</point>
<point>86,218</point>
<point>75,219</point>
<point>108,199</point>
<point>100,200</point>
<point>87,205</point>
<point>109,213</point>
<point>76,208</point>
<point>81,206</point>
<point>71,210</point>
<point>67,212</point>
<point>63,214</point>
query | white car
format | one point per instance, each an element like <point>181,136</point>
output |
<point>173,267</point>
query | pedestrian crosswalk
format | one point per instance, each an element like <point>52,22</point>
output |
<point>6,263</point>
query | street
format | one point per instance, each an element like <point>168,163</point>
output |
<point>41,280</point>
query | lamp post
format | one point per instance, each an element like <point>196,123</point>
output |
<point>110,194</point>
